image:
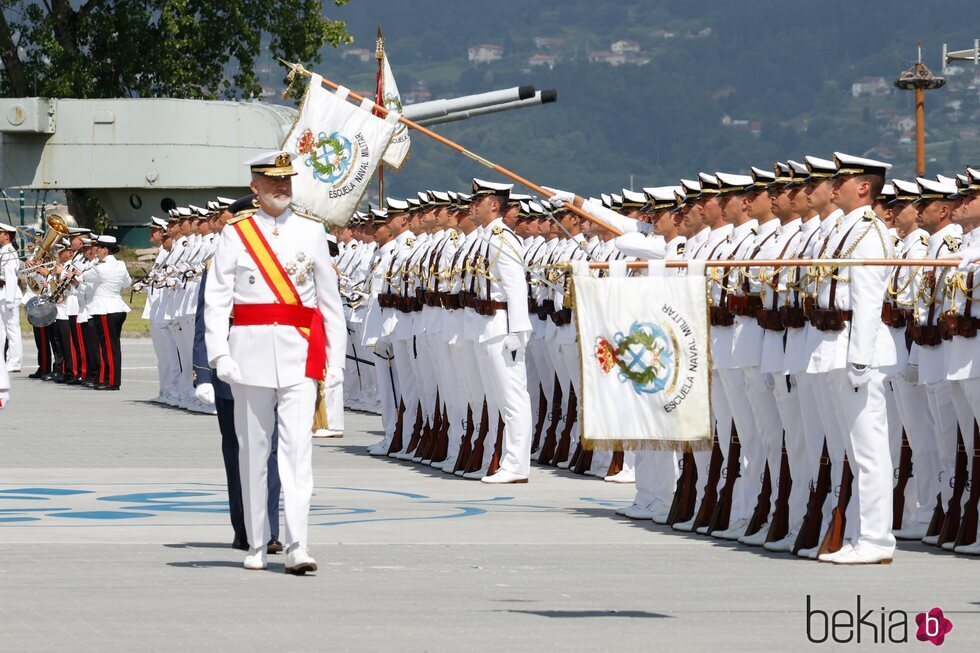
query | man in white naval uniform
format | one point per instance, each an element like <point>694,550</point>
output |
<point>928,354</point>
<point>271,366</point>
<point>505,331</point>
<point>911,402</point>
<point>853,346</point>
<point>963,358</point>
<point>10,296</point>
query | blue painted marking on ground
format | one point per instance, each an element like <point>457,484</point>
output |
<point>466,512</point>
<point>4,520</point>
<point>104,514</point>
<point>409,495</point>
<point>47,491</point>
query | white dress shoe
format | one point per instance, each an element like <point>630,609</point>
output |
<point>685,526</point>
<point>809,554</point>
<point>969,549</point>
<point>159,399</point>
<point>378,449</point>
<point>915,530</point>
<point>845,549</point>
<point>948,546</point>
<point>503,476</point>
<point>256,559</point>
<point>478,474</point>
<point>653,510</point>
<point>932,540</point>
<point>703,530</point>
<point>328,433</point>
<point>298,561</point>
<point>625,476</point>
<point>756,539</point>
<point>864,553</point>
<point>622,511</point>
<point>171,401</point>
<point>565,464</point>
<point>784,545</point>
<point>400,455</point>
<point>735,530</point>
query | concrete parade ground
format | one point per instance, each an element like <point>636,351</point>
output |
<point>115,537</point>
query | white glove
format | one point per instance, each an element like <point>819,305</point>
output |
<point>911,374</point>
<point>515,341</point>
<point>335,376</point>
<point>228,370</point>
<point>858,375</point>
<point>205,393</point>
<point>968,257</point>
<point>559,197</point>
<point>769,380</point>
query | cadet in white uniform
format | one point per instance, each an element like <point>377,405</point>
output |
<point>10,296</point>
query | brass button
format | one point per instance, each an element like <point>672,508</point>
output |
<point>275,324</point>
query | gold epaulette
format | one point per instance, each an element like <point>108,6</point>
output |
<point>680,248</point>
<point>453,235</point>
<point>497,230</point>
<point>869,214</point>
<point>241,215</point>
<point>925,240</point>
<point>952,242</point>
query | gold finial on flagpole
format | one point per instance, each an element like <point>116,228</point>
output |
<point>379,52</point>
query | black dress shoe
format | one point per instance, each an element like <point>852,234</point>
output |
<point>87,384</point>
<point>275,546</point>
<point>99,386</point>
<point>36,375</point>
<point>60,378</point>
<point>110,387</point>
<point>240,544</point>
<point>75,381</point>
<point>50,376</point>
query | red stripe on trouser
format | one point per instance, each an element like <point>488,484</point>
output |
<point>45,364</point>
<point>111,380</point>
<point>82,373</point>
<point>71,346</point>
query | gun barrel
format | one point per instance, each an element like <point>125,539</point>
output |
<point>443,107</point>
<point>540,97</point>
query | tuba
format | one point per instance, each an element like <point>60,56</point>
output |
<point>41,311</point>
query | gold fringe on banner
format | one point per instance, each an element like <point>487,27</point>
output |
<point>320,411</point>
<point>680,446</point>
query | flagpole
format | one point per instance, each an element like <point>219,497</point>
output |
<point>379,97</point>
<point>297,69</point>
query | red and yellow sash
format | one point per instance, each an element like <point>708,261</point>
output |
<point>288,309</point>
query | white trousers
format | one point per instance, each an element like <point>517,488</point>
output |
<point>944,431</point>
<point>10,337</point>
<point>912,405</point>
<point>656,477</point>
<point>168,334</point>
<point>185,342</point>
<point>753,453</point>
<point>866,442</point>
<point>788,403</point>
<point>165,359</point>
<point>404,352</point>
<point>255,420</point>
<point>387,388</point>
<point>506,373</point>
<point>770,428</point>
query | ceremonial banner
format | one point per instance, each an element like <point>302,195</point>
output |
<point>397,152</point>
<point>645,361</point>
<point>338,147</point>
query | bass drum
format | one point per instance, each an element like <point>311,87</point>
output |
<point>41,312</point>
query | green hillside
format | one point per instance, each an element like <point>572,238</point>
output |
<point>714,86</point>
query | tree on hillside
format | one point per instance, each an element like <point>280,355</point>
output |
<point>153,48</point>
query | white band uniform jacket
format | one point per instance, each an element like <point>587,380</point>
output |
<point>273,356</point>
<point>103,283</point>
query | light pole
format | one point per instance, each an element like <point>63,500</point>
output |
<point>918,78</point>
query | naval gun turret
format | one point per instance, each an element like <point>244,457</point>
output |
<point>143,156</point>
